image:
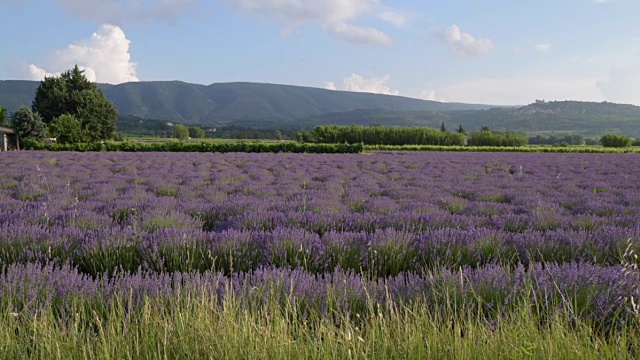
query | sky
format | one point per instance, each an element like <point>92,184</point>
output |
<point>499,52</point>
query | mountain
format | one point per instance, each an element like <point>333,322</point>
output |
<point>585,118</point>
<point>269,106</point>
<point>242,104</point>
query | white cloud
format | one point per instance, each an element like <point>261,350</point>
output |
<point>334,16</point>
<point>517,52</point>
<point>357,83</point>
<point>359,35</point>
<point>121,11</point>
<point>398,19</point>
<point>330,85</point>
<point>463,44</point>
<point>430,95</point>
<point>623,85</point>
<point>543,47</point>
<point>104,57</point>
<point>37,73</point>
<point>301,11</point>
<point>520,90</point>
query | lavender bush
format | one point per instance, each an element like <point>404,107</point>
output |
<point>323,231</point>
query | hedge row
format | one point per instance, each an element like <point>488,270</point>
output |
<point>491,138</point>
<point>379,135</point>
<point>531,149</point>
<point>285,147</point>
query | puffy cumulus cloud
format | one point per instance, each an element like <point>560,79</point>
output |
<point>463,44</point>
<point>334,16</point>
<point>123,11</point>
<point>104,57</point>
<point>520,90</point>
<point>543,47</point>
<point>358,83</point>
<point>623,85</point>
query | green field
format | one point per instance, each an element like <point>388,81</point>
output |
<point>197,327</point>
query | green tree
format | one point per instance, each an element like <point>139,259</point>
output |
<point>28,124</point>
<point>491,138</point>
<point>51,98</point>
<point>443,128</point>
<point>196,132</point>
<point>3,115</point>
<point>71,93</point>
<point>66,129</point>
<point>460,130</point>
<point>180,132</point>
<point>616,140</point>
<point>573,139</point>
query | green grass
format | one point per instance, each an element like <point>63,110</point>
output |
<point>195,326</point>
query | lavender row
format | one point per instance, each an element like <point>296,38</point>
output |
<point>246,213</point>
<point>533,186</point>
<point>381,213</point>
<point>599,294</point>
<point>380,254</point>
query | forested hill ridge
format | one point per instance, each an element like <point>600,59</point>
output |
<point>586,118</point>
<point>269,106</point>
<point>246,104</point>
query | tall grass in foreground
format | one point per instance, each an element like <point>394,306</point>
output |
<point>199,326</point>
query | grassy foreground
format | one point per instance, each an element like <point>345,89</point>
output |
<point>197,326</point>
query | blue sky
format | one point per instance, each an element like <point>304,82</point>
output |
<point>489,51</point>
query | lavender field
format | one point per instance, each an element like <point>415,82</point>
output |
<point>324,233</point>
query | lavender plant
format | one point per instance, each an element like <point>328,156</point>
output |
<point>325,232</point>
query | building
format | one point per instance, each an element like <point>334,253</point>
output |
<point>8,139</point>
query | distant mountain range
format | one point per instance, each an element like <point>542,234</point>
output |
<point>246,104</point>
<point>270,106</point>
<point>585,118</point>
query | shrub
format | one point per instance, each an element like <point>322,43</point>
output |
<point>196,133</point>
<point>66,129</point>
<point>32,144</point>
<point>118,136</point>
<point>181,132</point>
<point>616,140</point>
<point>491,138</point>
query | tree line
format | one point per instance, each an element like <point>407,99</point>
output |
<point>398,136</point>
<point>379,135</point>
